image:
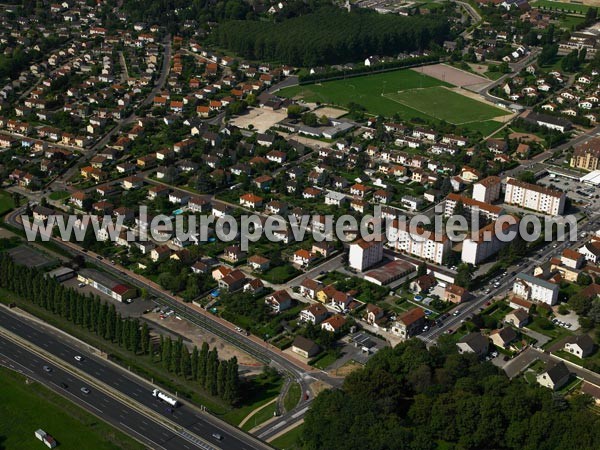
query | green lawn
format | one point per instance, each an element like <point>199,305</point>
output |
<point>6,202</point>
<point>261,391</point>
<point>58,195</point>
<point>25,408</point>
<point>281,274</point>
<point>486,127</point>
<point>556,333</point>
<point>398,92</point>
<point>444,104</point>
<point>368,91</point>
<point>292,397</point>
<point>260,417</point>
<point>324,360</point>
<point>569,7</point>
<point>289,440</point>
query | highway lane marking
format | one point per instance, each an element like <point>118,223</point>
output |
<point>145,437</point>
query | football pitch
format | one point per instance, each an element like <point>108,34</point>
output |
<point>444,104</point>
<point>408,93</point>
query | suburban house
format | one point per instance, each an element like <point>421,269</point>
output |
<point>503,337</point>
<point>474,342</point>
<point>233,281</point>
<point>374,314</point>
<point>305,347</point>
<point>279,301</point>
<point>455,294</point>
<point>409,323</point>
<point>310,287</point>
<point>581,346</point>
<point>259,263</point>
<point>303,257</point>
<point>517,317</point>
<point>334,323</point>
<point>555,376</point>
<point>315,314</point>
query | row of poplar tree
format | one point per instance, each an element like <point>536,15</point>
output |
<point>219,378</point>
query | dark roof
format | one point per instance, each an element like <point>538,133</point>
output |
<point>584,341</point>
<point>558,372</point>
<point>304,344</point>
<point>477,341</point>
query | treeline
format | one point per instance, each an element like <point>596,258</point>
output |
<point>219,378</point>
<point>330,36</point>
<point>413,398</point>
<point>333,74</point>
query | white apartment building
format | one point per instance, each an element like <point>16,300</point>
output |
<point>535,289</point>
<point>487,190</point>
<point>418,242</point>
<point>365,254</point>
<point>485,243</point>
<point>490,212</point>
<point>537,198</point>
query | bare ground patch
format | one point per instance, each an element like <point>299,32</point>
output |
<point>198,335</point>
<point>261,119</point>
<point>451,75</point>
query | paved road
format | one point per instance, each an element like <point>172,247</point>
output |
<point>114,412</point>
<point>529,355</point>
<point>469,308</point>
<point>287,82</point>
<point>188,418</point>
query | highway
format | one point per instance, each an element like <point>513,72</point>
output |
<point>192,422</point>
<point>100,404</point>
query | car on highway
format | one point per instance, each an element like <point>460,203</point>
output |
<point>456,313</point>
<point>217,436</point>
<point>78,358</point>
<point>64,385</point>
<point>85,390</point>
<point>47,369</point>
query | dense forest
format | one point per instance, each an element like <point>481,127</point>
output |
<point>330,36</point>
<point>413,398</point>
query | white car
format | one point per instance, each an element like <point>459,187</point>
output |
<point>78,358</point>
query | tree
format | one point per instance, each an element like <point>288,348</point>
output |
<point>166,353</point>
<point>547,55</point>
<point>294,111</point>
<point>212,367</point>
<point>310,119</point>
<point>194,363</point>
<point>323,120</point>
<point>185,364</point>
<point>422,269</point>
<point>464,275</point>
<point>221,378</point>
<point>111,322</point>
<point>145,339</point>
<point>202,364</point>
<point>527,176</point>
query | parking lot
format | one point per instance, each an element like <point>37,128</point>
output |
<point>360,347</point>
<point>134,309</point>
<point>579,192</point>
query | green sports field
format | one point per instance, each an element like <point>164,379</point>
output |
<point>408,93</point>
<point>368,91</point>
<point>444,104</point>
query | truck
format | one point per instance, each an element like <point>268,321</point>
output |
<point>165,398</point>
